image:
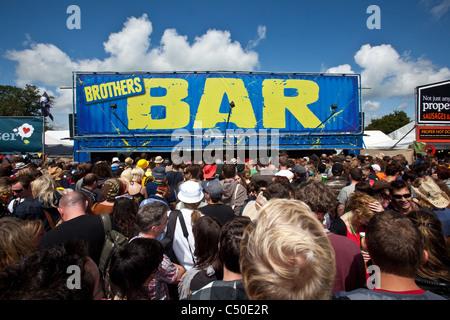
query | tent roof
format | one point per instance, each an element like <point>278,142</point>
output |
<point>402,138</point>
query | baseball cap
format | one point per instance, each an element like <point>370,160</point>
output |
<point>337,167</point>
<point>213,188</point>
<point>299,169</point>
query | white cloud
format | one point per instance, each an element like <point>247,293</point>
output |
<point>343,68</point>
<point>437,8</point>
<point>261,36</point>
<point>212,51</point>
<point>130,49</point>
<point>441,9</point>
<point>45,63</point>
<point>402,106</point>
<point>371,106</point>
<point>390,74</point>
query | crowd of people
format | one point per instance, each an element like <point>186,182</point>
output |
<point>317,227</point>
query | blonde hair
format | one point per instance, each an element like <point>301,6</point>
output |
<point>286,254</point>
<point>5,187</point>
<point>137,174</point>
<point>44,188</point>
<point>126,175</point>
<point>360,201</point>
<point>18,238</point>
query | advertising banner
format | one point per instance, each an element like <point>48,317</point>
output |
<point>21,134</point>
<point>433,134</point>
<point>433,103</point>
<point>111,104</point>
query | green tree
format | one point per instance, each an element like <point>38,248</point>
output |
<point>389,122</point>
<point>18,102</point>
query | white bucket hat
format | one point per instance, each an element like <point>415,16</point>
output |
<point>190,192</point>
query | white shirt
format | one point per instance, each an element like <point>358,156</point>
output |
<point>182,249</point>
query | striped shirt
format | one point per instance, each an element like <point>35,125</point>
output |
<point>167,273</point>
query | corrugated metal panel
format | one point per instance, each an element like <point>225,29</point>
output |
<point>173,100</point>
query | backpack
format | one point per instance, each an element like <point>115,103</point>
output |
<point>113,240</point>
<point>167,241</point>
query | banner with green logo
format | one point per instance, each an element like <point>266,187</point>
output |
<point>21,134</point>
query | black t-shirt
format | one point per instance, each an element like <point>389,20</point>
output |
<point>338,227</point>
<point>86,227</point>
<point>221,211</point>
<point>173,179</point>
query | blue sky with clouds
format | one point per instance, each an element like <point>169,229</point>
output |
<point>411,48</point>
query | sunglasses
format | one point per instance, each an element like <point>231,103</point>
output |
<point>17,191</point>
<point>400,196</point>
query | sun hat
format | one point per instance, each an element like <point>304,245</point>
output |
<point>115,159</point>
<point>430,192</point>
<point>159,173</point>
<point>376,167</point>
<point>190,192</point>
<point>129,161</point>
<point>209,171</point>
<point>159,159</point>
<point>20,166</point>
<point>285,173</point>
<point>142,163</point>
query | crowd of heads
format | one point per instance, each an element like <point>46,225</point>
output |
<point>277,240</point>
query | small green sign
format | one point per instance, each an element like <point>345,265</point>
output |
<point>21,134</point>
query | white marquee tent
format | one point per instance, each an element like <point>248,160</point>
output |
<point>402,138</point>
<point>58,143</point>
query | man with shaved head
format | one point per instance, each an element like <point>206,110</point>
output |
<point>77,225</point>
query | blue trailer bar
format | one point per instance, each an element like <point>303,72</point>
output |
<point>159,111</point>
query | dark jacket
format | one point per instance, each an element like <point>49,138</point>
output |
<point>33,209</point>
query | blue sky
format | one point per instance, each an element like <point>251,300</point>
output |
<point>411,48</point>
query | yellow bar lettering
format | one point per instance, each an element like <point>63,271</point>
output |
<point>177,112</point>
<point>275,102</point>
<point>208,110</point>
